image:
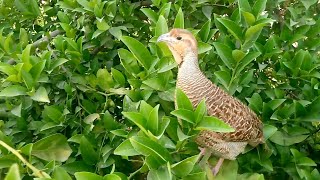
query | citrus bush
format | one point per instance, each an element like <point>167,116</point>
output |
<point>87,93</point>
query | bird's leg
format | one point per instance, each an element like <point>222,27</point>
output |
<point>204,156</point>
<point>215,170</point>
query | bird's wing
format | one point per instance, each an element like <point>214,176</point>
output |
<point>246,123</point>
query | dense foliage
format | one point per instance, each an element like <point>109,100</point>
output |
<point>87,93</point>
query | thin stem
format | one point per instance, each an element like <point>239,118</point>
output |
<point>36,171</point>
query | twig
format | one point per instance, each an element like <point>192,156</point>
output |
<point>36,171</point>
<point>46,38</point>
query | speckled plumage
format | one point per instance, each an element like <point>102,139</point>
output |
<point>247,125</point>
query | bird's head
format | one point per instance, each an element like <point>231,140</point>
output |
<point>180,42</point>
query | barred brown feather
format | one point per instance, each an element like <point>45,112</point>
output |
<point>247,125</point>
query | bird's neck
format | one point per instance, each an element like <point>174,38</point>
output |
<point>189,66</point>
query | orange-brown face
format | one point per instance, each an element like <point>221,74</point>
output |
<point>180,42</point>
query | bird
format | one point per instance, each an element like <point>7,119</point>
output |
<point>248,128</point>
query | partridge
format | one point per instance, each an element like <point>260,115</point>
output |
<point>247,125</point>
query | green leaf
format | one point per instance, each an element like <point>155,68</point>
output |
<point>27,79</point>
<point>181,135</point>
<point>111,177</point>
<point>7,69</point>
<point>165,9</point>
<point>285,139</point>
<point>36,70</point>
<point>155,83</point>
<point>13,173</point>
<point>13,90</point>
<point>137,119</point>
<point>182,100</point>
<point>77,166</point>
<point>246,60</point>
<point>161,26</point>
<point>268,131</point>
<point>87,175</point>
<point>252,35</point>
<point>57,63</point>
<point>184,114</point>
<point>275,103</point>
<point>244,5</point>
<point>102,25</point>
<point>116,32</point>
<point>41,95</point>
<point>250,19</point>
<point>17,110</point>
<point>91,118</point>
<point>23,37</point>
<point>63,17</point>
<point>179,21</point>
<point>88,153</point>
<point>205,30</point>
<point>228,171</point>
<point>54,147</point>
<point>129,62</point>
<point>156,2</point>
<point>259,7</point>
<point>255,102</point>
<point>53,113</point>
<point>224,78</point>
<point>148,147</point>
<point>152,121</point>
<point>104,79</point>
<point>232,27</point>
<point>200,111</point>
<point>61,174</point>
<point>196,176</point>
<point>238,55</point>
<point>214,124</point>
<point>125,149</point>
<point>28,7</point>
<point>118,76</point>
<point>203,47</point>
<point>308,3</point>
<point>139,51</point>
<point>184,167</point>
<point>164,172</point>
<point>225,53</point>
<point>109,122</point>
<point>87,6</point>
<point>25,57</point>
<point>150,14</point>
<point>300,158</point>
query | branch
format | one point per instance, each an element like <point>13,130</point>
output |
<point>46,38</point>
<point>36,171</point>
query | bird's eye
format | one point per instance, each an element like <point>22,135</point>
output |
<point>179,38</point>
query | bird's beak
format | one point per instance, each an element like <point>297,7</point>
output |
<point>163,38</point>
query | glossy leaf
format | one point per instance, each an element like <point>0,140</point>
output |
<point>88,153</point>
<point>232,27</point>
<point>13,173</point>
<point>148,147</point>
<point>179,21</point>
<point>54,147</point>
<point>161,26</point>
<point>12,91</point>
<point>182,100</point>
<point>41,95</point>
<point>139,51</point>
<point>125,149</point>
<point>214,124</point>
